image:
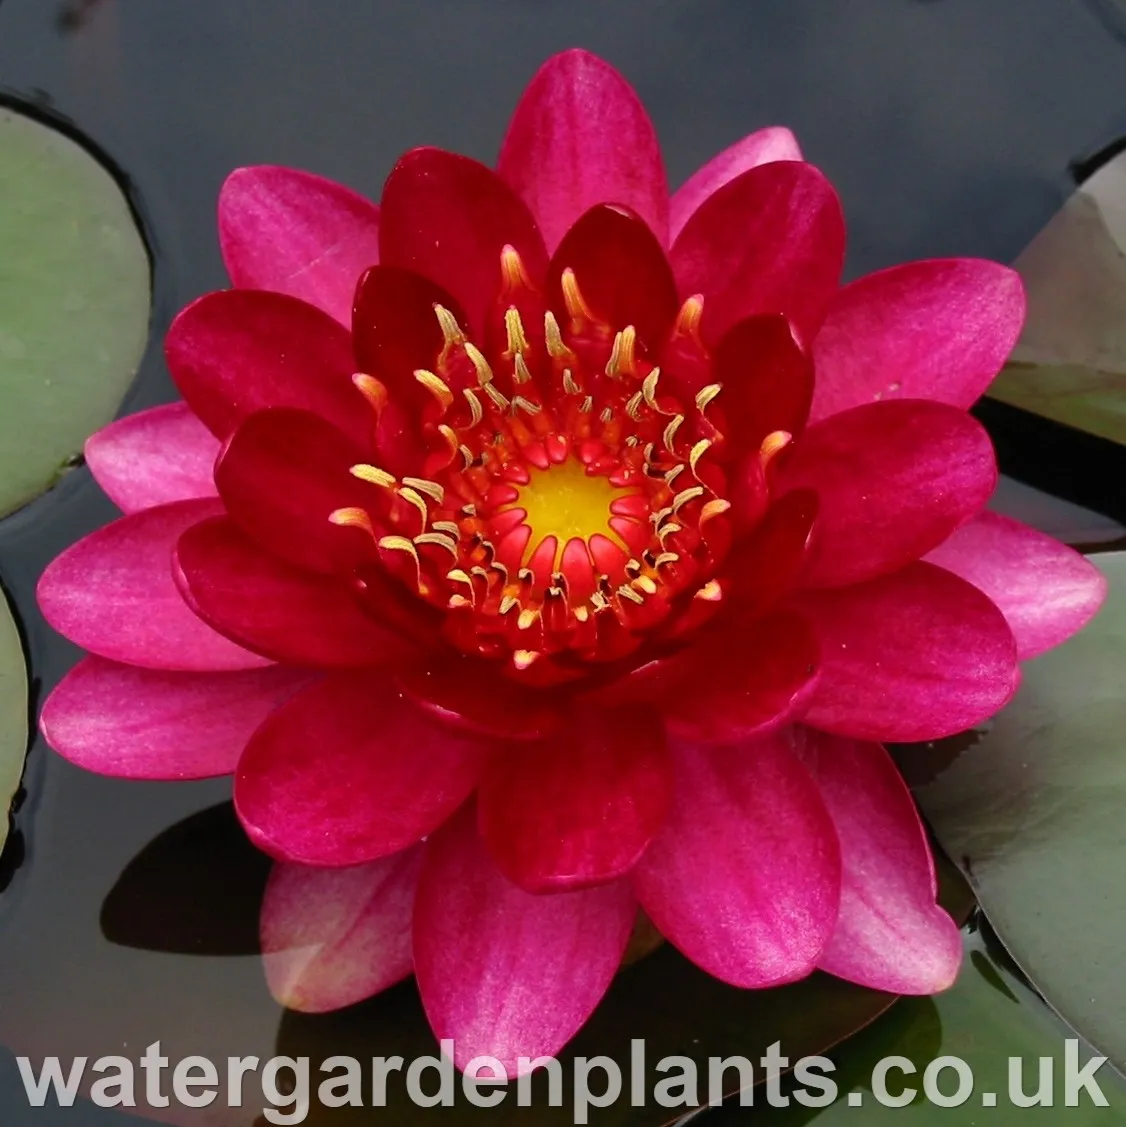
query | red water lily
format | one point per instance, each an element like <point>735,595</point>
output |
<point>536,546</point>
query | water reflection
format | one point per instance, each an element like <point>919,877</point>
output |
<point>78,13</point>
<point>194,889</point>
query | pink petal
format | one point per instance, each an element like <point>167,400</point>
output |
<point>348,772</point>
<point>764,566</point>
<point>274,608</point>
<point>766,145</point>
<point>766,379</point>
<point>579,137</point>
<point>893,481</point>
<point>396,331</point>
<point>581,807</point>
<point>769,241</point>
<point>113,594</point>
<point>295,233</point>
<point>938,329</point>
<point>282,474</point>
<point>333,937</point>
<point>502,972</point>
<point>740,680</point>
<point>153,457</point>
<point>917,655</point>
<point>448,218</point>
<point>148,724</point>
<point>1045,590</point>
<point>745,877</point>
<point>621,271</point>
<point>890,934</point>
<point>239,351</point>
<point>468,693</point>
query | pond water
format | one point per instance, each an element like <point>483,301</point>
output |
<point>948,126</point>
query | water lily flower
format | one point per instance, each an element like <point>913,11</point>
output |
<point>536,547</point>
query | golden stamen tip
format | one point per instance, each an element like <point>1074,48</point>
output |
<point>484,371</point>
<point>373,474</point>
<point>436,386</point>
<point>691,312</point>
<point>773,444</point>
<point>351,518</point>
<point>573,298</point>
<point>711,592</point>
<point>371,389</point>
<point>512,267</point>
<point>451,330</point>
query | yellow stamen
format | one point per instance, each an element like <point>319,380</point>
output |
<point>514,329</point>
<point>688,319</point>
<point>373,474</point>
<point>431,488</point>
<point>451,330</point>
<point>484,372</point>
<point>512,268</point>
<point>772,445</point>
<point>371,389</point>
<point>352,518</point>
<point>573,298</point>
<point>436,386</point>
<point>711,592</point>
<point>706,394</point>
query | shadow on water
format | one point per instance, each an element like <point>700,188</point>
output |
<point>949,127</point>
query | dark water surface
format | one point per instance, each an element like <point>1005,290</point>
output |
<point>949,127</point>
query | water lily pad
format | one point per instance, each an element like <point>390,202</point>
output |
<point>1070,365</point>
<point>988,1016</point>
<point>74,302</point>
<point>1037,805</point>
<point>13,714</point>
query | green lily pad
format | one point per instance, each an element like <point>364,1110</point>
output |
<point>1070,364</point>
<point>987,1017</point>
<point>13,714</point>
<point>1037,805</point>
<point>74,302</point>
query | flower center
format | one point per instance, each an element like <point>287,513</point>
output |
<point>571,503</point>
<point>565,507</point>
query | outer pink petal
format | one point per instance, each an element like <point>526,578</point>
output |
<point>113,594</point>
<point>745,878</point>
<point>890,934</point>
<point>769,241</point>
<point>893,481</point>
<point>348,771</point>
<point>295,233</point>
<point>235,352</point>
<point>154,457</point>
<point>916,655</point>
<point>761,147</point>
<point>579,137</point>
<point>147,724</point>
<point>579,808</point>
<point>937,329</point>
<point>502,972</point>
<point>333,937</point>
<point>1046,590</point>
